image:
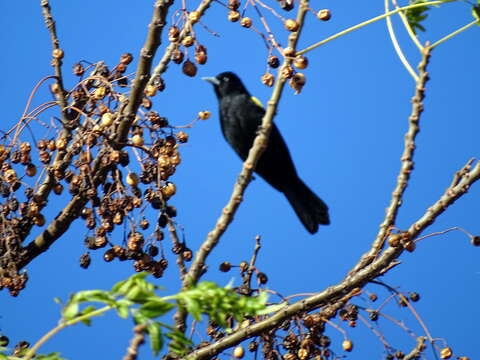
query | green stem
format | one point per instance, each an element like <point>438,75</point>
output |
<point>396,45</point>
<point>456,32</point>
<point>368,22</point>
<point>32,351</point>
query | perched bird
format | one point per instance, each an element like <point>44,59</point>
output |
<point>240,117</point>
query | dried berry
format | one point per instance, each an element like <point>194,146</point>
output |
<point>347,345</point>
<point>246,22</point>
<point>238,352</point>
<point>188,41</point>
<point>126,58</point>
<point>78,69</point>
<point>324,15</point>
<point>225,266</point>
<point>189,68</point>
<point>297,82</point>
<point>268,79</point>
<point>273,61</point>
<point>300,62</point>
<point>85,260</point>
<point>233,16</point>
<point>204,115</point>
<point>173,34</point>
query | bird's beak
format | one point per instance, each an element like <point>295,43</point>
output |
<point>212,80</point>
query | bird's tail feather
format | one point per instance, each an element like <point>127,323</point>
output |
<point>310,209</point>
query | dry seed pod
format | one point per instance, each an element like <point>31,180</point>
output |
<point>177,56</point>
<point>297,82</point>
<point>107,119</point>
<point>201,54</point>
<point>31,170</point>
<point>347,345</point>
<point>169,190</point>
<point>182,136</point>
<point>126,58</point>
<point>189,68</point>
<point>287,5</point>
<point>291,25</point>
<point>300,62</point>
<point>287,72</point>
<point>246,22</point>
<point>204,115</point>
<point>268,79</point>
<point>273,62</point>
<point>132,179</point>
<point>188,41</point>
<point>233,4</point>
<point>233,16</point>
<point>238,352</point>
<point>324,15</point>
<point>173,34</point>
<point>446,353</point>
<point>194,16</point>
<point>78,69</point>
<point>57,53</point>
<point>99,93</point>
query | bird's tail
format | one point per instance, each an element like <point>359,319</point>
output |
<point>310,209</point>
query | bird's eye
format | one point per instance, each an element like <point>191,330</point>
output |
<point>226,79</point>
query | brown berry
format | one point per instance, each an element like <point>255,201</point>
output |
<point>182,136</point>
<point>173,34</point>
<point>246,22</point>
<point>324,15</point>
<point>273,62</point>
<point>177,56</point>
<point>189,68</point>
<point>137,140</point>
<point>233,4</point>
<point>300,62</point>
<point>126,58</point>
<point>188,41</point>
<point>297,82</point>
<point>78,69</point>
<point>107,119</point>
<point>132,179</point>
<point>238,352</point>
<point>233,16</point>
<point>204,115</point>
<point>31,170</point>
<point>225,266</point>
<point>268,79</point>
<point>347,345</point>
<point>446,353</point>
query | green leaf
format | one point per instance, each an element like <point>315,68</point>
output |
<point>51,356</point>
<point>416,15</point>
<point>476,13</point>
<point>154,331</point>
<point>153,309</point>
<point>70,310</point>
<point>86,311</point>
<point>122,311</point>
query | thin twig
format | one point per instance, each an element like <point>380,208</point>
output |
<point>153,41</point>
<point>137,340</point>
<point>417,350</point>
<point>248,277</point>
<point>406,160</point>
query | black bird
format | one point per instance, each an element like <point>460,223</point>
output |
<point>240,117</point>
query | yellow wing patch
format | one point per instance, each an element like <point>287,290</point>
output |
<point>257,102</point>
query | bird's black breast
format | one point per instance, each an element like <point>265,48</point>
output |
<point>240,119</point>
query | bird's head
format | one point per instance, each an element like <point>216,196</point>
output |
<point>226,83</point>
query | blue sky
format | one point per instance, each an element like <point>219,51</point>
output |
<point>345,132</point>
